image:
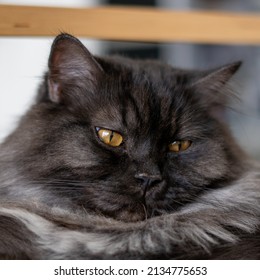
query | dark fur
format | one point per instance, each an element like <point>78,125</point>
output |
<point>65,194</point>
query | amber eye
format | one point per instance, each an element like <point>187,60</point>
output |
<point>179,146</point>
<point>109,137</point>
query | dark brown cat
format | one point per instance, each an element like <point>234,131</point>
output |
<point>121,158</point>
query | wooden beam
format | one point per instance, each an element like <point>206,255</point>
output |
<point>132,24</point>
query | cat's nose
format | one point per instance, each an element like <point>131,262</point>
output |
<point>148,180</point>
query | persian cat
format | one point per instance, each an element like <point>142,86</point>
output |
<point>127,159</point>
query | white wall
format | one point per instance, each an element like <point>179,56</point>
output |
<point>22,64</point>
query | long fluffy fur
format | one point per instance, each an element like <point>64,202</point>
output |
<point>210,227</point>
<point>65,194</point>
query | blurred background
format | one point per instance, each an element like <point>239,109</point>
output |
<point>24,60</point>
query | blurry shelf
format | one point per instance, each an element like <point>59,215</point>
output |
<point>132,24</point>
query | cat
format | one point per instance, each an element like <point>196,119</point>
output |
<point>127,159</point>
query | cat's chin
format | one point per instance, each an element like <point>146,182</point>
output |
<point>132,214</point>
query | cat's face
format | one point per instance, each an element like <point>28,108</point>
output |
<point>128,139</point>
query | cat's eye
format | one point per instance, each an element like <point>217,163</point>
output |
<point>179,146</point>
<point>109,137</point>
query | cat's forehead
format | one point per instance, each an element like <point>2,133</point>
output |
<point>140,97</point>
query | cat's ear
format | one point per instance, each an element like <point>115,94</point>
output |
<point>70,63</point>
<point>215,84</point>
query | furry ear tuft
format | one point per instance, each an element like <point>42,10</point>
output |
<point>214,85</point>
<point>218,78</point>
<point>70,63</point>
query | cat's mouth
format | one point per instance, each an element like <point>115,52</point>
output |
<point>142,206</point>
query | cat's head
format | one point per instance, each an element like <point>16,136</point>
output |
<point>127,138</point>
